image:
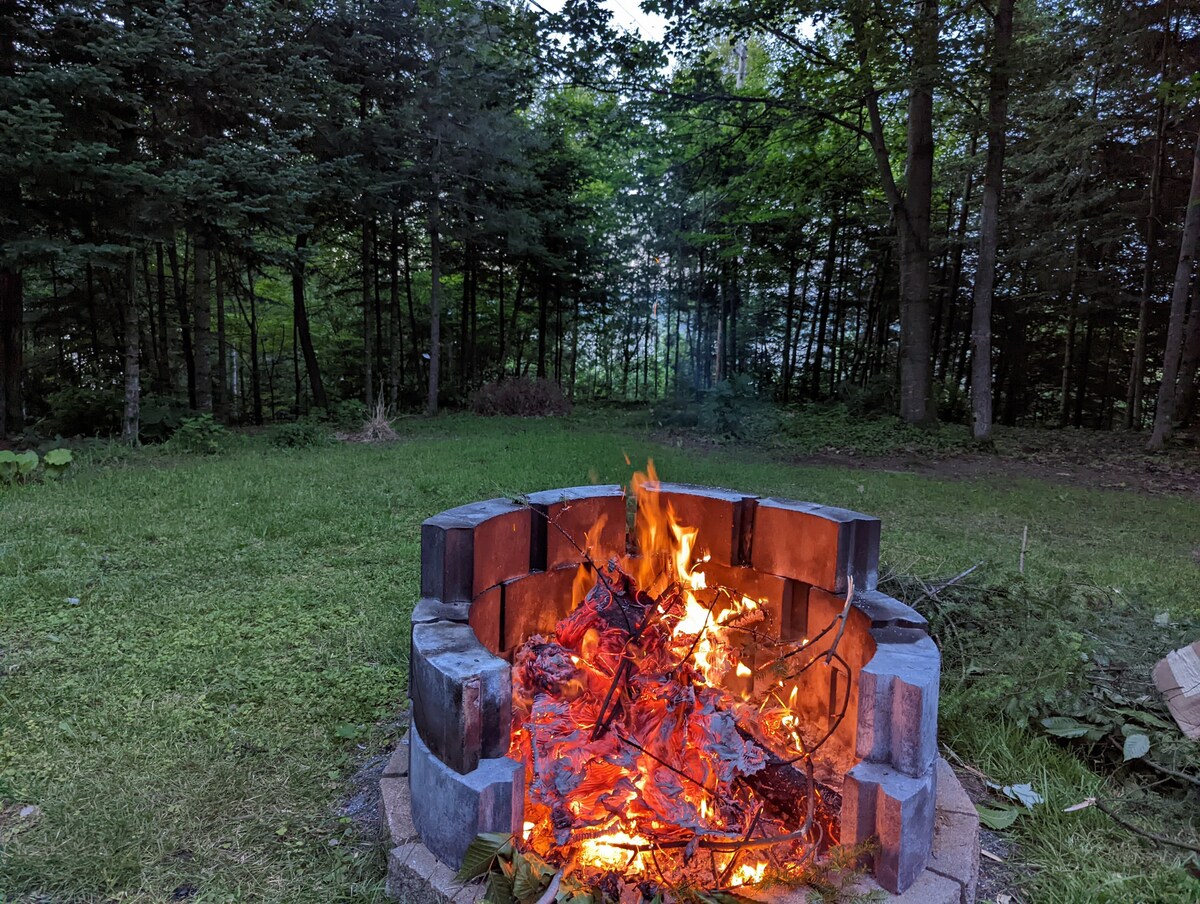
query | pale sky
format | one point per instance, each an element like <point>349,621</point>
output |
<point>627,15</point>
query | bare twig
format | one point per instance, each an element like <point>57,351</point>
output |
<point>1159,839</point>
<point>552,890</point>
<point>749,831</point>
<point>845,614</point>
<point>1024,544</point>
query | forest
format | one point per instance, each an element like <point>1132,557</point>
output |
<point>967,213</point>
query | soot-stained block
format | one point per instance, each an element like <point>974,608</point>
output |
<point>428,610</point>
<point>449,808</point>
<point>461,695</point>
<point>592,517</point>
<point>535,603</point>
<point>724,518</point>
<point>816,544</point>
<point>774,593</point>
<point>468,549</point>
<point>888,612</point>
<point>484,617</point>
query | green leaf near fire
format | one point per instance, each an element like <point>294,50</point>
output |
<point>482,853</point>
<point>1136,746</point>
<point>997,818</point>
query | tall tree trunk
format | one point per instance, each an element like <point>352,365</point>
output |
<point>956,266</point>
<point>12,310</point>
<point>1190,363</point>
<point>1168,390</point>
<point>203,335</point>
<point>500,302</point>
<point>916,378</point>
<point>131,419</point>
<point>368,321</point>
<point>824,294</point>
<point>12,285</point>
<point>989,227</point>
<point>912,209</point>
<point>395,333</point>
<point>1064,398</point>
<point>412,310</point>
<point>1085,365</point>
<point>785,376</point>
<point>179,282</point>
<point>304,332</point>
<point>255,371</point>
<point>164,360</point>
<point>543,312</point>
<point>435,279</point>
<point>1137,370</point>
<point>220,393</point>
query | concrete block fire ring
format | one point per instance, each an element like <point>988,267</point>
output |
<point>415,876</point>
<point>495,572</point>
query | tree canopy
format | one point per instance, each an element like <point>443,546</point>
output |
<point>260,209</point>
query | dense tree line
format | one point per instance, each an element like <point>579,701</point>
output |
<point>973,212</point>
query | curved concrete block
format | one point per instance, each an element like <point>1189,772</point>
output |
<point>723,517</point>
<point>816,544</point>
<point>897,704</point>
<point>468,549</point>
<point>898,810</point>
<point>592,517</point>
<point>461,694</point>
<point>450,809</point>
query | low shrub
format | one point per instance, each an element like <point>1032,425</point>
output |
<point>732,409</point>
<point>160,417</point>
<point>83,411</point>
<point>200,435</point>
<point>521,397</point>
<point>302,434</point>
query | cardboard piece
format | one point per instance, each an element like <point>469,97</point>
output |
<point>1177,675</point>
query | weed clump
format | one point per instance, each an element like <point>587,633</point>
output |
<point>200,435</point>
<point>376,429</point>
<point>302,434</point>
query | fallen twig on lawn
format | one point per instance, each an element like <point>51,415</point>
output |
<point>1126,824</point>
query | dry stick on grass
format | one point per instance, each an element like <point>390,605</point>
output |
<point>1159,839</point>
<point>1159,767</point>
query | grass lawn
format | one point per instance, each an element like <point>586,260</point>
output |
<point>197,653</point>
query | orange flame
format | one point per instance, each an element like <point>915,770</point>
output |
<point>655,777</point>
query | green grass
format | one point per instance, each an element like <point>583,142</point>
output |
<point>238,644</point>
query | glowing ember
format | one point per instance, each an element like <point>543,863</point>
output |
<point>638,756</point>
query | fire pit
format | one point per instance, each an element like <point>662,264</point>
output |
<point>713,699</point>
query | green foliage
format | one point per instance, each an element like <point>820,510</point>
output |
<point>875,398</point>
<point>82,411</point>
<point>200,435</point>
<point>15,466</point>
<point>57,461</point>
<point>302,434</point>
<point>835,429</point>
<point>22,466</point>
<point>732,409</point>
<point>160,417</point>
